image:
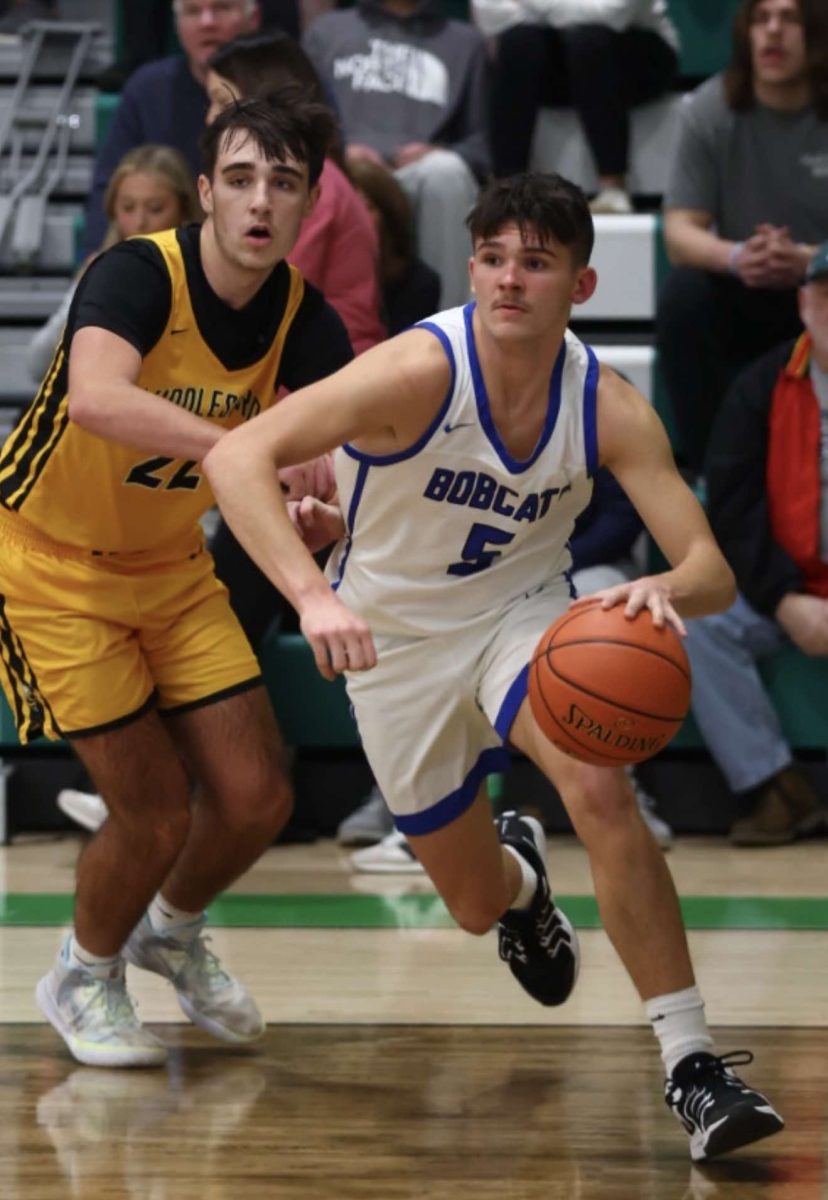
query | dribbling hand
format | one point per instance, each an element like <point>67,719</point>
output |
<point>638,594</point>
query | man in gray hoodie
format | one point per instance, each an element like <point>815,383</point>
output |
<point>410,86</point>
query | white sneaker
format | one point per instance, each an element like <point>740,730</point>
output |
<point>391,856</point>
<point>614,201</point>
<point>657,826</point>
<point>86,808</point>
<point>367,824</point>
<point>207,993</point>
<point>96,1017</point>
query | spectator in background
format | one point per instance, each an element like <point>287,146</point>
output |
<point>165,101</point>
<point>151,189</point>
<point>410,288</point>
<point>599,56</point>
<point>772,431</point>
<point>746,204</point>
<point>338,247</point>
<point>410,87</point>
<point>145,27</point>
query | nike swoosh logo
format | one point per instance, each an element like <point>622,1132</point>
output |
<point>179,331</point>
<point>458,425</point>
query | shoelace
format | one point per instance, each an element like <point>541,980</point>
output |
<point>547,924</point>
<point>206,963</point>
<point>734,1058</point>
<point>693,1103</point>
<point>109,998</point>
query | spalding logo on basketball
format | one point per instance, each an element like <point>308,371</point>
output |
<point>607,689</point>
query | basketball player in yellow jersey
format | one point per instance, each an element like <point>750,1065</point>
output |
<point>114,631</point>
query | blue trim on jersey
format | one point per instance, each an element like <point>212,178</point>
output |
<point>386,460</point>
<point>490,762</point>
<point>591,412</point>
<point>359,488</point>
<point>512,702</point>
<point>513,465</point>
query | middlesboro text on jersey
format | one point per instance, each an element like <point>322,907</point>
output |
<point>584,723</point>
<point>213,402</point>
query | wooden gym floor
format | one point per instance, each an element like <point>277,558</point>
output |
<point>402,1061</point>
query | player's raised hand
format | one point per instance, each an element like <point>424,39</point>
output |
<point>340,640</point>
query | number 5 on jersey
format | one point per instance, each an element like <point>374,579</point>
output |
<point>476,554</point>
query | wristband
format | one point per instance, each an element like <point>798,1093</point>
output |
<point>735,255</point>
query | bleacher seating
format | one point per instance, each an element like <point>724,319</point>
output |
<point>38,248</point>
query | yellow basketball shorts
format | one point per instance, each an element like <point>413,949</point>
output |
<point>88,643</point>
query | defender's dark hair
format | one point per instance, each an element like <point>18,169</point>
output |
<point>738,76</point>
<point>281,123</point>
<point>549,204</point>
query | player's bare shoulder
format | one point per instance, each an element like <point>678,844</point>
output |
<point>625,417</point>
<point>414,374</point>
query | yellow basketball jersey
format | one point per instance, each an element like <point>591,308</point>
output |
<point>84,491</point>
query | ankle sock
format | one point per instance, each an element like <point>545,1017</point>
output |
<point>679,1023</point>
<point>166,918</point>
<point>95,964</point>
<point>529,881</point>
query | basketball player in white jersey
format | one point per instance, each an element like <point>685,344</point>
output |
<point>468,446</point>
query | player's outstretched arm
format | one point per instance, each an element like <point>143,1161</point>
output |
<point>632,442</point>
<point>383,401</point>
<point>105,399</point>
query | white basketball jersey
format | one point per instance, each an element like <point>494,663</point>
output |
<point>455,527</point>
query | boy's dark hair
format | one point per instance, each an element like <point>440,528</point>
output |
<point>548,204</point>
<point>281,123</point>
<point>260,62</point>
<point>738,76</point>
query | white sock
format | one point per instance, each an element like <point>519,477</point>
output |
<point>96,964</point>
<point>679,1023</point>
<point>166,918</point>
<point>529,884</point>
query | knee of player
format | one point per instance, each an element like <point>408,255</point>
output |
<point>599,799</point>
<point>264,803</point>
<point>165,826</point>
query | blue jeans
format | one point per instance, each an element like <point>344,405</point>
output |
<point>729,701</point>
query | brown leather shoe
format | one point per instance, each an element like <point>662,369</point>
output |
<point>786,808</point>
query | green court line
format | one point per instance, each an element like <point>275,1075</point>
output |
<point>418,911</point>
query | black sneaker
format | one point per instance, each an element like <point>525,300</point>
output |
<point>718,1110</point>
<point>539,944</point>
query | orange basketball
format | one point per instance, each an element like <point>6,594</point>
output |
<point>608,689</point>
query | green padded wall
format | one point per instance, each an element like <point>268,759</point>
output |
<point>704,30</point>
